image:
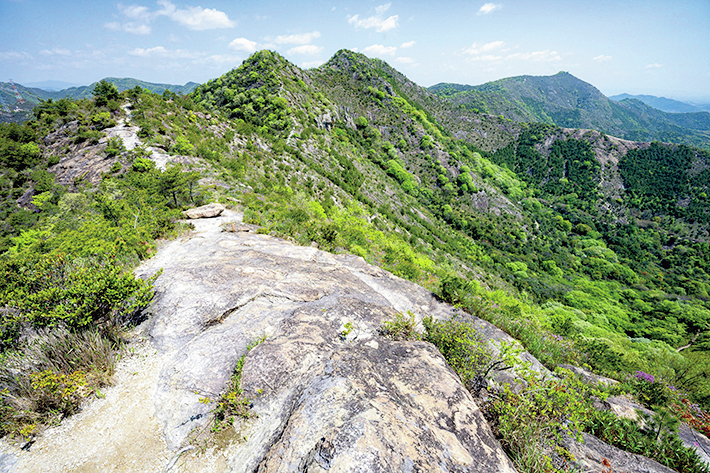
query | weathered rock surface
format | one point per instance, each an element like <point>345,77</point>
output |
<point>363,401</point>
<point>325,398</point>
<point>587,376</point>
<point>213,209</point>
<point>592,454</point>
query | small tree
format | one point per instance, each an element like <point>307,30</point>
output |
<point>103,92</point>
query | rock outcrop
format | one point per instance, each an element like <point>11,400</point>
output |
<point>595,455</point>
<point>206,211</point>
<point>328,391</point>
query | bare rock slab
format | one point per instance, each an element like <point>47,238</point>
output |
<point>592,454</point>
<point>359,403</point>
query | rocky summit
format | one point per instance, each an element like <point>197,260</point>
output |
<point>323,397</point>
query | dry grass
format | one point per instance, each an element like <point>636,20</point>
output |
<point>51,375</point>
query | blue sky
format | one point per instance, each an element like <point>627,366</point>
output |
<point>639,47</point>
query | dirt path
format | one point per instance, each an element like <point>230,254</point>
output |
<point>118,433</point>
<point>103,434</point>
<point>129,135</point>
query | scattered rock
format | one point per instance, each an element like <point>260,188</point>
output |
<point>206,211</point>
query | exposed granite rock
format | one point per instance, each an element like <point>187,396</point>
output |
<point>361,403</point>
<point>628,408</point>
<point>693,438</point>
<point>587,376</point>
<point>592,454</point>
<point>213,209</point>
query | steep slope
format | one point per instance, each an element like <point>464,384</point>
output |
<point>566,101</point>
<point>588,249</point>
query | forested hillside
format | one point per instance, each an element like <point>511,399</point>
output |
<point>13,111</point>
<point>590,249</point>
<point>567,101</point>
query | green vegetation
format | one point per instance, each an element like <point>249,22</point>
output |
<point>233,404</point>
<point>566,101</point>
<point>532,418</point>
<point>402,327</point>
<point>519,224</point>
<point>67,258</point>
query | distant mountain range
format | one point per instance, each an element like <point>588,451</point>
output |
<point>51,85</point>
<point>11,110</point>
<point>567,101</point>
<point>664,104</point>
<point>560,99</point>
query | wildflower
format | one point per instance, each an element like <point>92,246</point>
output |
<point>640,375</point>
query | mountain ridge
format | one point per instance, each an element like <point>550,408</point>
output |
<point>567,101</point>
<point>588,249</point>
<point>14,111</point>
<point>664,104</point>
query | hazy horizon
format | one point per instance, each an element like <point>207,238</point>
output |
<point>636,47</point>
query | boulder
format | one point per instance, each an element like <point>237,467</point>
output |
<point>206,211</point>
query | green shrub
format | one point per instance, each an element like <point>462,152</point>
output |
<point>114,147</point>
<point>233,404</point>
<point>402,327</point>
<point>54,290</point>
<point>48,379</point>
<point>462,347</point>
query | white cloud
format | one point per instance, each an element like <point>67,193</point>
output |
<point>488,8</point>
<point>404,60</point>
<point>156,51</point>
<point>539,56</point>
<point>383,8</point>
<point>14,56</point>
<point>136,12</point>
<point>408,44</point>
<point>484,48</point>
<point>222,59</point>
<point>194,18</point>
<point>160,51</point>
<point>130,27</point>
<point>654,66</point>
<point>601,58</point>
<point>304,38</point>
<point>137,29</point>
<point>487,58</point>
<point>243,44</point>
<point>198,18</point>
<point>379,50</point>
<point>56,52</point>
<point>309,49</point>
<point>378,22</point>
<point>309,64</point>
